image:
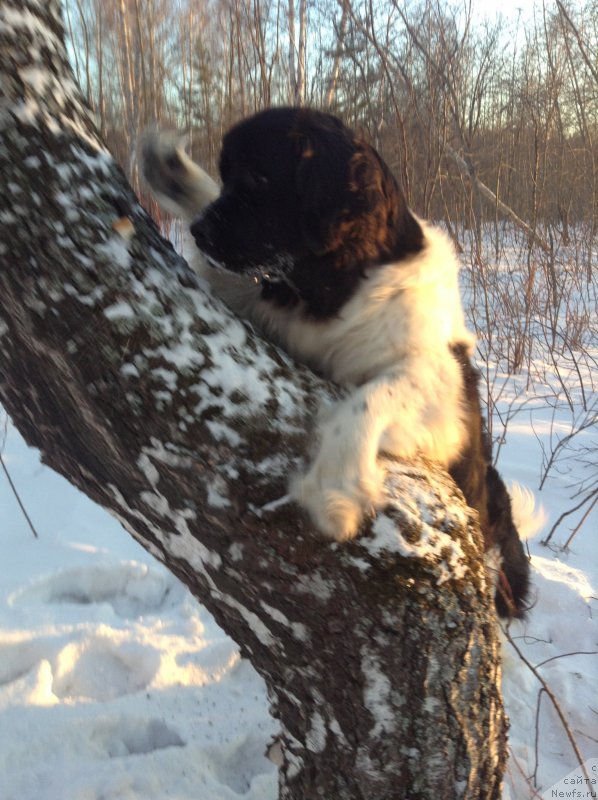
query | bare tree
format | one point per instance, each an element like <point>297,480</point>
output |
<point>380,656</point>
<point>297,50</point>
<point>340,32</point>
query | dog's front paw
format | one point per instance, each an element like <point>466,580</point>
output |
<point>337,510</point>
<point>179,184</point>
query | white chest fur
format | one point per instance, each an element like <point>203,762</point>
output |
<point>398,309</point>
<point>390,346</point>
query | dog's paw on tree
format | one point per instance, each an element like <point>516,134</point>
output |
<point>380,655</point>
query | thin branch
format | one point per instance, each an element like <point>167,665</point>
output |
<point>582,49</point>
<point>526,778</point>
<point>572,511</point>
<point>537,737</point>
<point>16,494</point>
<point>583,519</point>
<point>554,702</point>
<point>564,655</point>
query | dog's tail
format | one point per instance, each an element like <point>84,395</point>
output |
<point>529,518</point>
<point>179,184</point>
<point>512,516</point>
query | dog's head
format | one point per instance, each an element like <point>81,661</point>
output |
<point>298,187</point>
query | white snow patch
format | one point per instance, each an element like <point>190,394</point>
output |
<point>299,630</point>
<point>223,433</point>
<point>148,469</point>
<point>119,310</point>
<point>184,546</point>
<point>433,546</point>
<point>168,377</point>
<point>129,371</point>
<point>38,79</point>
<point>377,695</point>
<point>182,355</point>
<point>315,739</point>
<point>216,497</point>
<point>115,250</point>
<point>253,621</point>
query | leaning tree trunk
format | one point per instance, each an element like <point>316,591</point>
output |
<point>380,655</point>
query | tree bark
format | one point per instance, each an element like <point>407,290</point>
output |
<point>380,656</point>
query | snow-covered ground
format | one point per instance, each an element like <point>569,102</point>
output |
<point>560,638</point>
<point>115,684</point>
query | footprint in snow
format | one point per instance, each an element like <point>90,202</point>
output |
<point>120,738</point>
<point>97,667</point>
<point>102,669</point>
<point>237,763</point>
<point>132,589</point>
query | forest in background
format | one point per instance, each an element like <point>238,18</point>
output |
<point>455,102</point>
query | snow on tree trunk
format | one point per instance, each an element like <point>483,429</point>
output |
<point>380,655</point>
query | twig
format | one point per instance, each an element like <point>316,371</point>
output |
<point>568,513</point>
<point>526,778</point>
<point>554,702</point>
<point>16,494</point>
<point>564,655</point>
<point>537,738</point>
<point>582,520</point>
<point>4,433</point>
<point>532,639</point>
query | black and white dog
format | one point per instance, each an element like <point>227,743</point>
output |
<point>312,241</point>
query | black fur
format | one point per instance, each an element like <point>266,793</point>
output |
<point>285,174</point>
<point>484,490</point>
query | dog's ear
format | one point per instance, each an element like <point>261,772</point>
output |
<point>350,204</point>
<point>322,179</point>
